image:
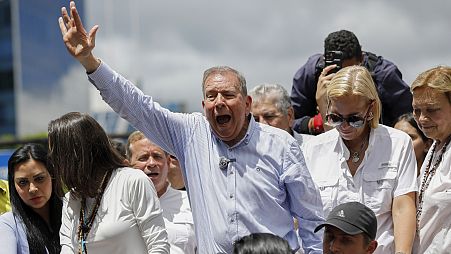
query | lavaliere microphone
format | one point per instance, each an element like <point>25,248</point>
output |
<point>224,162</point>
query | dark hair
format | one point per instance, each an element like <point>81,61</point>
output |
<point>39,235</point>
<point>81,153</point>
<point>344,41</point>
<point>261,243</point>
<point>408,117</point>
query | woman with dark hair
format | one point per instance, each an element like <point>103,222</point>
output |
<point>421,143</point>
<point>33,224</point>
<point>261,243</point>
<point>110,208</point>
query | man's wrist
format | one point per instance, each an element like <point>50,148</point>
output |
<point>91,63</point>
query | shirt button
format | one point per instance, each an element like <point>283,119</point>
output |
<point>231,196</point>
<point>231,172</point>
<point>232,220</point>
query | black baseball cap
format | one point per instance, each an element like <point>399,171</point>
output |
<point>352,218</point>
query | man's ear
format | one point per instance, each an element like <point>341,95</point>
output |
<point>371,247</point>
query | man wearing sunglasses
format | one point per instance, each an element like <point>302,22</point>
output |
<point>342,49</point>
<point>360,160</point>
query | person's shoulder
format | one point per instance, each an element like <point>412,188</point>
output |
<point>309,68</point>
<point>323,138</point>
<point>274,133</point>
<point>386,132</point>
<point>7,219</point>
<point>129,173</point>
<point>378,65</point>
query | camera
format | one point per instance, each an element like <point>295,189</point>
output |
<point>333,57</point>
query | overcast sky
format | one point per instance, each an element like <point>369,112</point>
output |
<point>166,45</point>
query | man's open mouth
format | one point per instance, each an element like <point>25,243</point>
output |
<point>223,119</point>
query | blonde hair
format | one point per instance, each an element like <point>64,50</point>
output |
<point>438,78</point>
<point>355,80</point>
<point>135,136</point>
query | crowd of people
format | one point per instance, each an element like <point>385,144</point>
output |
<point>322,171</point>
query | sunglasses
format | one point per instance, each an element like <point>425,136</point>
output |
<point>335,120</point>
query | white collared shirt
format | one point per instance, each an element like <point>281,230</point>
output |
<point>178,220</point>
<point>388,170</point>
<point>435,219</point>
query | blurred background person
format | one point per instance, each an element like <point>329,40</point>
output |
<point>110,208</point>
<point>364,161</point>
<point>5,204</point>
<point>342,49</point>
<point>175,176</point>
<point>155,162</point>
<point>421,143</point>
<point>432,111</point>
<point>350,228</point>
<point>261,243</point>
<point>271,105</point>
<point>34,223</point>
<point>120,146</point>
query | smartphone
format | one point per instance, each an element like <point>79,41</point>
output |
<point>333,57</point>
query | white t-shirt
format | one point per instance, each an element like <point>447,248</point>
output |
<point>388,170</point>
<point>179,221</point>
<point>435,219</point>
<point>129,219</point>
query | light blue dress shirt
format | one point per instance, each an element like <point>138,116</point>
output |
<point>13,239</point>
<point>265,186</point>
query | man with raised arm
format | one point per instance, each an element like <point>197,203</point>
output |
<point>242,177</point>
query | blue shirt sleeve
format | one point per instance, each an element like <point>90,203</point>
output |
<point>12,236</point>
<point>304,198</point>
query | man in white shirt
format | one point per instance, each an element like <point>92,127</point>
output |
<point>154,162</point>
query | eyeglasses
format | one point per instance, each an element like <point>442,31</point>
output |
<point>335,120</point>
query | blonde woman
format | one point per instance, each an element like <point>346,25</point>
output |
<point>364,161</point>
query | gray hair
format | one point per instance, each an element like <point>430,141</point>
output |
<point>225,69</point>
<point>276,92</point>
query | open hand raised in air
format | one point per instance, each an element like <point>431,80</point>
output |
<point>78,42</point>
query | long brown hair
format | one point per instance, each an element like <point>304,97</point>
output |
<point>81,153</point>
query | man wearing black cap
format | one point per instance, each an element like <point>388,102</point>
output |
<point>350,229</point>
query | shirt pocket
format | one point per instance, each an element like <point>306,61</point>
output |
<point>328,188</point>
<point>378,186</point>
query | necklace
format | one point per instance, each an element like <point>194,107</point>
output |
<point>428,174</point>
<point>355,156</point>
<point>85,224</point>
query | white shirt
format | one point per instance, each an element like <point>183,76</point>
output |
<point>388,170</point>
<point>435,219</point>
<point>128,221</point>
<point>179,221</point>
